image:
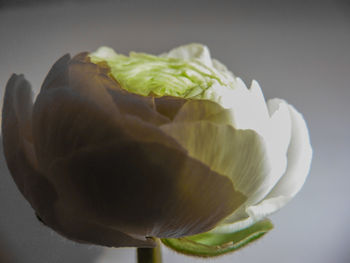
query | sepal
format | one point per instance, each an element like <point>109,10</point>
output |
<point>214,244</point>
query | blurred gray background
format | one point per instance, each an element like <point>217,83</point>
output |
<point>297,50</point>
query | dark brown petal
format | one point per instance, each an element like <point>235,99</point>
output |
<point>78,228</point>
<point>127,103</point>
<point>169,106</point>
<point>144,188</point>
<point>83,57</point>
<point>137,105</point>
<point>64,121</point>
<point>58,74</point>
<point>138,130</point>
<point>19,158</point>
<point>148,108</point>
<point>86,79</point>
<point>34,186</point>
<point>90,94</point>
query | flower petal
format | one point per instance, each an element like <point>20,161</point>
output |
<point>248,106</point>
<point>190,52</point>
<point>91,82</point>
<point>224,143</point>
<point>35,187</point>
<point>280,126</point>
<point>143,188</point>
<point>58,74</point>
<point>137,105</point>
<point>237,154</point>
<point>18,151</point>
<point>197,110</point>
<point>299,159</point>
<point>169,106</point>
<point>16,123</point>
<point>89,92</point>
<point>79,229</point>
<point>64,121</point>
<point>198,56</point>
<point>223,69</point>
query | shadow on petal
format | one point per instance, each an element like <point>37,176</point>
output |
<point>144,189</point>
<point>138,106</point>
<point>169,106</point>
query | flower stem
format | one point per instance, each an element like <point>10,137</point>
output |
<point>149,255</point>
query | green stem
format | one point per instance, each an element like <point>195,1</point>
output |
<point>149,255</point>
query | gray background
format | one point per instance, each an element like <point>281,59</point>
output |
<point>298,51</point>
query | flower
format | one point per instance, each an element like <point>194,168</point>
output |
<point>119,149</point>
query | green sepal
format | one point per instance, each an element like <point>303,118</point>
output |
<point>214,244</point>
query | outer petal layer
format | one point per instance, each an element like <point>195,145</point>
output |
<point>238,154</point>
<point>299,159</point>
<point>18,149</point>
<point>36,188</point>
<point>166,194</point>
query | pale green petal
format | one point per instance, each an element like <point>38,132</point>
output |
<point>201,53</point>
<point>104,53</point>
<point>186,75</point>
<point>219,142</point>
<point>186,71</point>
<point>190,52</point>
<point>221,146</point>
<point>242,155</point>
<point>195,110</point>
<point>238,154</point>
<point>222,68</point>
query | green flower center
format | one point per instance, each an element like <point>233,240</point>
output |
<point>146,74</point>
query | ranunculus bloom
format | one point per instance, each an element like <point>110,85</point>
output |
<point>103,163</point>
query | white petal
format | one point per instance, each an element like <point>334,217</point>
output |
<point>299,159</point>
<point>280,126</point>
<point>248,105</point>
<point>254,214</point>
<point>240,84</point>
<point>256,91</point>
<point>276,132</point>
